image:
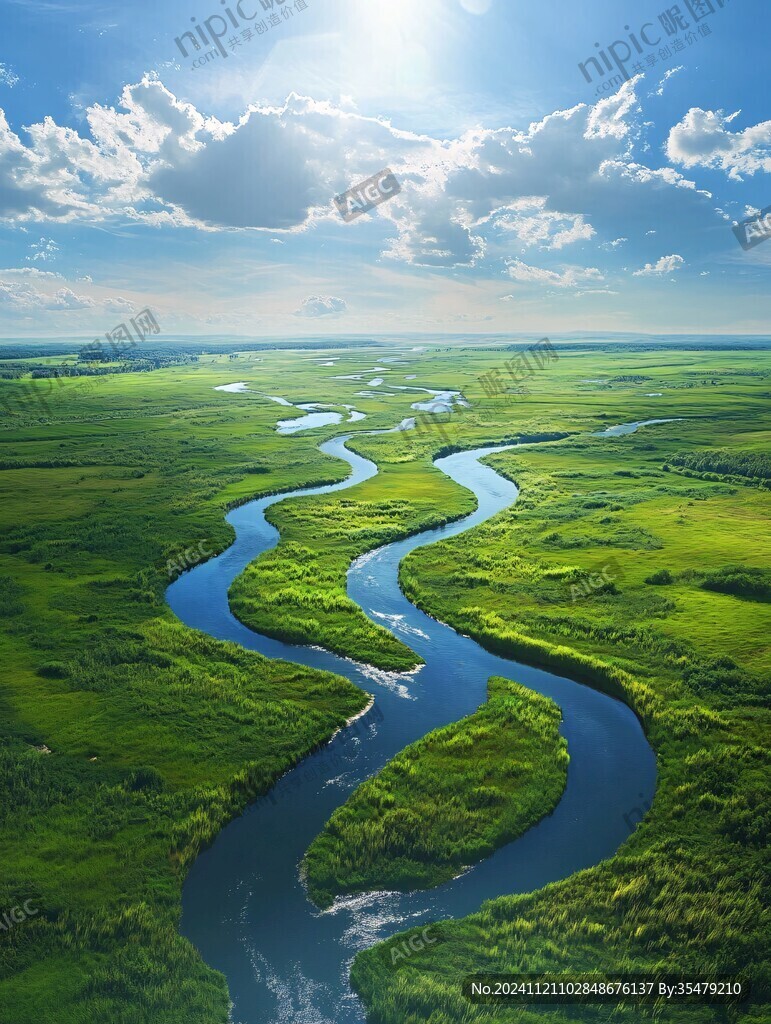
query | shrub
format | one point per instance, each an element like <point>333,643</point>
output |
<point>662,578</point>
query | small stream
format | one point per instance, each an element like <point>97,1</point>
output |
<point>244,906</point>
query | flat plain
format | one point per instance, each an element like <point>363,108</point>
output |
<point>637,564</point>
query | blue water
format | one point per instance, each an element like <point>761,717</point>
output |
<point>244,904</point>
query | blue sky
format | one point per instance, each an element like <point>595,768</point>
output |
<point>532,200</point>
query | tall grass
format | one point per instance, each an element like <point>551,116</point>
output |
<point>447,801</point>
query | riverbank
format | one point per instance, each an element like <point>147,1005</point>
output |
<point>694,859</point>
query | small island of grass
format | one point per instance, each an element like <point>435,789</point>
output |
<point>447,801</point>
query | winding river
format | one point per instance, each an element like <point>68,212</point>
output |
<point>244,905</point>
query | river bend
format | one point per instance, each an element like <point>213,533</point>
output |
<point>244,905</point>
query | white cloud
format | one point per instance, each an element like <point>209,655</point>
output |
<point>665,79</point>
<point>321,305</point>
<point>665,265</point>
<point>23,297</point>
<point>120,305</point>
<point>32,272</point>
<point>157,159</point>
<point>702,139</point>
<point>65,298</point>
<point>607,119</point>
<point>646,175</point>
<point>7,77</point>
<point>532,224</point>
<point>570,277</point>
<point>44,250</point>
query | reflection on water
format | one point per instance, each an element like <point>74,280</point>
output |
<point>621,429</point>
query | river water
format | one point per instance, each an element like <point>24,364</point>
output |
<point>244,905</point>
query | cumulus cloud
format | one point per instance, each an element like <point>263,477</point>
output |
<point>665,79</point>
<point>159,160</point>
<point>532,223</point>
<point>703,139</point>
<point>645,175</point>
<point>665,265</point>
<point>120,305</point>
<point>32,272</point>
<point>21,296</point>
<point>608,118</point>
<point>569,277</point>
<point>43,250</point>
<point>65,298</point>
<point>321,305</point>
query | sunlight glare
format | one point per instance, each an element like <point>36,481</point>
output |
<point>393,47</point>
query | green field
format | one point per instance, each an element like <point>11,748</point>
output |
<point>638,564</point>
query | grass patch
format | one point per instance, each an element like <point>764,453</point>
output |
<point>447,801</point>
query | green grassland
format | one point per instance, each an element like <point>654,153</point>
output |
<point>447,801</point>
<point>662,630</point>
<point>158,735</point>
<point>297,591</point>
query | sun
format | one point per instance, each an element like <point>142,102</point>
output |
<point>394,47</point>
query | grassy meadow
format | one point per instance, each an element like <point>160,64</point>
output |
<point>640,565</point>
<point>127,741</point>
